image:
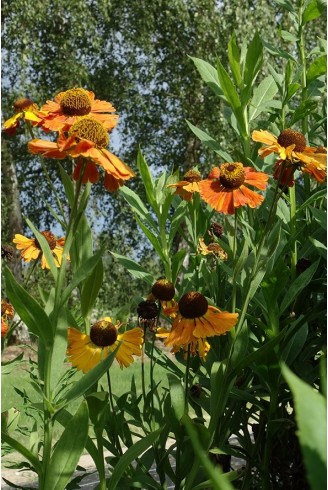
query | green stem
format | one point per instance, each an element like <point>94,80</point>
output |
<point>268,443</point>
<point>302,56</point>
<point>30,272</point>
<point>101,464</point>
<point>112,406</point>
<point>292,199</point>
<point>187,379</point>
<point>234,250</point>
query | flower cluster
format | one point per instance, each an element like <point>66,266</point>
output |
<point>7,314</point>
<point>83,124</point>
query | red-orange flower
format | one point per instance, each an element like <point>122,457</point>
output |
<point>87,138</point>
<point>293,152</point>
<point>225,188</point>
<point>69,106</point>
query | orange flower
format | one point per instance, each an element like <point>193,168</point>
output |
<point>224,188</point>
<point>87,138</point>
<point>293,152</point>
<point>195,320</point>
<point>7,309</point>
<point>26,110</point>
<point>31,249</point>
<point>185,188</point>
<point>69,106</point>
<point>198,346</point>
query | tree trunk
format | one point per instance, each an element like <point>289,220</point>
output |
<point>12,223</point>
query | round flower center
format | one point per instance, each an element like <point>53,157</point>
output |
<point>89,129</point>
<point>23,104</point>
<point>232,175</point>
<point>193,305</point>
<point>192,176</point>
<point>147,310</point>
<point>290,137</point>
<point>50,237</point>
<point>103,333</point>
<point>75,102</point>
<point>163,290</point>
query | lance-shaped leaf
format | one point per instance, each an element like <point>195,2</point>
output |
<point>29,310</point>
<point>68,450</point>
<point>134,268</point>
<point>45,249</point>
<point>91,288</point>
<point>298,285</point>
<point>138,206</point>
<point>210,142</point>
<point>147,179</point>
<point>234,60</point>
<point>131,455</point>
<point>253,63</point>
<point>89,379</point>
<point>311,417</point>
<point>209,75</point>
<point>82,273</point>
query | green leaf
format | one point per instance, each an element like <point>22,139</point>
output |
<point>153,240</point>
<point>304,109</point>
<point>91,287</point>
<point>311,417</point>
<point>59,349</point>
<point>89,379</point>
<point>82,245</point>
<point>177,396</point>
<point>134,268</point>
<point>214,473</point>
<point>285,4</point>
<point>45,249</point>
<point>138,206</point>
<point>82,273</point>
<point>68,185</point>
<point>131,455</point>
<point>177,261</point>
<point>234,60</point>
<point>313,11</point>
<point>68,450</point>
<point>178,216</point>
<point>228,88</point>
<point>317,68</point>
<point>147,180</point>
<point>210,142</point>
<point>262,97</point>
<point>253,63</point>
<point>209,75</point>
<point>29,311</point>
<point>17,446</point>
<point>292,89</point>
<point>298,285</point>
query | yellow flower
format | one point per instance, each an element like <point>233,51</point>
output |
<point>212,248</point>
<point>186,187</point>
<point>86,351</point>
<point>31,249</point>
<point>24,109</point>
<point>291,148</point>
<point>195,320</point>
